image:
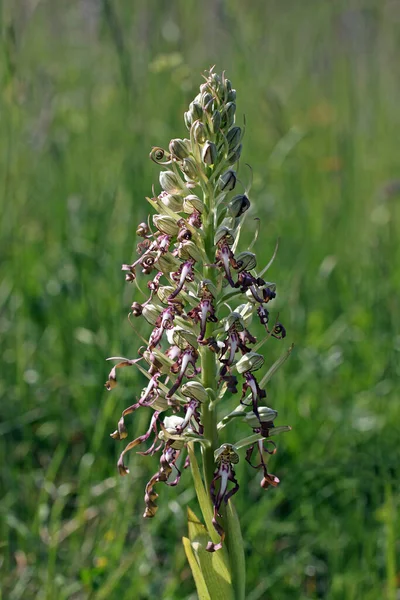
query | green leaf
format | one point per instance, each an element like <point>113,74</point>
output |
<point>234,542</point>
<point>196,571</point>
<point>213,565</point>
<point>202,496</point>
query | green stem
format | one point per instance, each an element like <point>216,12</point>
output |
<point>208,358</point>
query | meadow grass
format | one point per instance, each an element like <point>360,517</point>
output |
<point>88,87</point>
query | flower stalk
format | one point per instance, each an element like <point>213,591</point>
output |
<point>201,352</point>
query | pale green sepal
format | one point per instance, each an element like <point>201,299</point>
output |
<point>235,545</point>
<point>213,565</point>
<point>233,415</point>
<point>196,571</point>
<point>247,441</point>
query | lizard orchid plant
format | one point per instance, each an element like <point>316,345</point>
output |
<point>203,294</point>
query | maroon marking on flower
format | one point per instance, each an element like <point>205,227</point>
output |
<point>203,313</point>
<point>123,470</point>
<point>167,464</point>
<point>256,392</point>
<point>268,479</point>
<point>195,219</point>
<point>191,412</point>
<point>223,475</point>
<point>184,273</point>
<point>224,257</point>
<point>186,359</point>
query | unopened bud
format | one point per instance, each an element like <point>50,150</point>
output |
<point>173,202</point>
<point>233,138</point>
<point>234,319</point>
<point>151,313</point>
<point>224,233</point>
<point>192,203</point>
<point>171,183</point>
<point>227,181</point>
<point>216,121</point>
<point>195,111</point>
<point>250,362</point>
<point>234,157</point>
<point>265,415</point>
<point>238,205</point>
<point>199,132</point>
<point>194,389</point>
<point>166,224</point>
<point>246,261</point>
<point>182,337</point>
<point>231,95</point>
<point>164,292</point>
<point>209,154</point>
<point>187,119</point>
<point>205,99</point>
<point>160,403</point>
<point>189,168</point>
<point>189,249</point>
<point>179,148</point>
<point>228,116</point>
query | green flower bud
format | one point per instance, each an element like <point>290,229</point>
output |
<point>166,224</point>
<point>195,111</point>
<point>171,183</point>
<point>194,389</point>
<point>189,249</point>
<point>231,96</point>
<point>189,168</point>
<point>179,148</point>
<point>187,119</point>
<point>216,121</point>
<point>226,452</point>
<point>250,362</point>
<point>228,116</point>
<point>209,154</point>
<point>225,233</point>
<point>246,261</point>
<point>266,415</point>
<point>158,359</point>
<point>167,263</point>
<point>227,181</point>
<point>199,132</point>
<point>151,312</point>
<point>238,205</point>
<point>234,157</point>
<point>206,98</point>
<point>160,403</point>
<point>233,138</point>
<point>234,319</point>
<point>164,293</point>
<point>191,203</point>
<point>182,337</point>
<point>173,202</point>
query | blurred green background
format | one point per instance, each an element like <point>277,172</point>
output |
<point>87,88</point>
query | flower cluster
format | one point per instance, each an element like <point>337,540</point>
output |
<point>200,349</point>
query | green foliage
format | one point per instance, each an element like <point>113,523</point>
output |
<point>88,87</point>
